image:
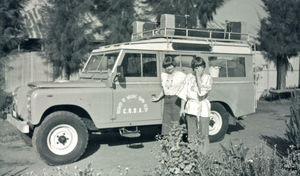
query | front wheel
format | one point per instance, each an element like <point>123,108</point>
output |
<point>218,123</point>
<point>61,138</point>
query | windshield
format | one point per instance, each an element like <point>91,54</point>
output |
<point>101,62</point>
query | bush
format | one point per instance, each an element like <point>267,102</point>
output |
<point>293,124</point>
<point>291,164</point>
<point>180,158</point>
<point>87,171</point>
<point>5,102</point>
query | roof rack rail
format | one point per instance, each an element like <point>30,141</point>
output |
<point>194,34</point>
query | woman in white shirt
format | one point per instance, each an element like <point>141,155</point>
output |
<point>195,106</point>
<point>171,81</point>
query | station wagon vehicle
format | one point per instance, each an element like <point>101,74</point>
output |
<point>116,84</point>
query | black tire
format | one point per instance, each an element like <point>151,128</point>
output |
<point>218,123</point>
<point>61,138</point>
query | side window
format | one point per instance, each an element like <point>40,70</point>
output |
<point>183,62</point>
<point>132,65</point>
<point>227,66</point>
<point>149,65</point>
<point>139,65</point>
<point>111,59</point>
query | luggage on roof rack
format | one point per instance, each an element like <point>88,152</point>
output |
<point>172,26</point>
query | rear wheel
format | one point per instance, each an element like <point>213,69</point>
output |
<point>218,123</point>
<point>61,138</point>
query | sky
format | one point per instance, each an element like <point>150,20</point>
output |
<point>249,11</point>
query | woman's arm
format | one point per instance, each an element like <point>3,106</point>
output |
<point>182,113</point>
<point>156,98</point>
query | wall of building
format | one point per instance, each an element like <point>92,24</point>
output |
<point>25,67</point>
<point>266,74</point>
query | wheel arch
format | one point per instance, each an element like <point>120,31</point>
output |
<point>79,111</point>
<point>225,105</point>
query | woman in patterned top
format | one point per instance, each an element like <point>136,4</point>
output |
<point>171,82</point>
<point>195,106</point>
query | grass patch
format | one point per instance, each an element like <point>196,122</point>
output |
<point>8,134</point>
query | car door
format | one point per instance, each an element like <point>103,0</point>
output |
<point>132,95</point>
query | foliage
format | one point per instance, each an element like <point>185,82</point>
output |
<point>86,171</point>
<point>291,164</point>
<point>198,10</point>
<point>116,17</point>
<point>5,102</point>
<point>11,33</point>
<point>179,158</point>
<point>279,34</point>
<point>293,125</point>
<point>11,25</point>
<point>66,41</point>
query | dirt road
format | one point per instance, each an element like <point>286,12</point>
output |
<point>109,153</point>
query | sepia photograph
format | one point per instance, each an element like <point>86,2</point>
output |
<point>149,87</point>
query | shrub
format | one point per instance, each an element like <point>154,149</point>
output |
<point>5,102</point>
<point>180,158</point>
<point>293,124</point>
<point>86,171</point>
<point>291,164</point>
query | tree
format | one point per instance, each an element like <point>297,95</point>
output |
<point>279,34</point>
<point>116,17</point>
<point>199,11</point>
<point>11,33</point>
<point>66,41</point>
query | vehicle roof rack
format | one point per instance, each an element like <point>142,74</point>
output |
<point>192,34</point>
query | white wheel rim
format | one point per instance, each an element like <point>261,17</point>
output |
<point>62,139</point>
<point>215,123</point>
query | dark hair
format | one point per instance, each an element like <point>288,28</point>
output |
<point>169,60</point>
<point>198,62</point>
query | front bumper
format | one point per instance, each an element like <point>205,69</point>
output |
<point>20,125</point>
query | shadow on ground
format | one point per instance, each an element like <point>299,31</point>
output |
<point>234,128</point>
<point>113,138</point>
<point>281,144</point>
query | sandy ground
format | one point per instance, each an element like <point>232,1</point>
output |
<point>110,154</point>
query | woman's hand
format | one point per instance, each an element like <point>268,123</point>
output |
<point>182,113</point>
<point>155,98</point>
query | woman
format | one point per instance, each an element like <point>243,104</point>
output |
<point>194,105</point>
<point>171,82</point>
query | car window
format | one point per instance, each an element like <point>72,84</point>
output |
<point>227,66</point>
<point>149,65</point>
<point>183,62</point>
<point>101,62</point>
<point>140,65</point>
<point>93,62</point>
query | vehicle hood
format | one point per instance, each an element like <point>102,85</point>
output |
<point>69,84</point>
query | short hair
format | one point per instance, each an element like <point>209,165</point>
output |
<point>198,62</point>
<point>169,60</point>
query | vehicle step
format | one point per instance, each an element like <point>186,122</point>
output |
<point>130,134</point>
